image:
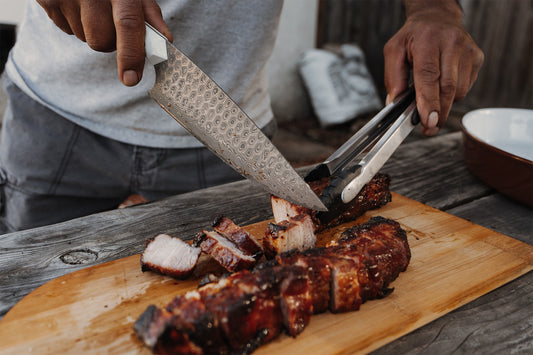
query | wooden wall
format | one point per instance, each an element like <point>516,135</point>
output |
<point>503,29</point>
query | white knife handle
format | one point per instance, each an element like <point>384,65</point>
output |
<point>155,46</point>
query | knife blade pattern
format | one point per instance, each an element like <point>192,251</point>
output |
<point>208,113</point>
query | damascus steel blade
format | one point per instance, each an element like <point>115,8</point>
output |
<point>208,113</point>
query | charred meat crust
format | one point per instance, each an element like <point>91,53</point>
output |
<point>225,252</point>
<point>374,195</point>
<point>242,238</point>
<point>296,233</point>
<point>248,308</point>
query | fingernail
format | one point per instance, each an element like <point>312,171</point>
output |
<point>387,100</point>
<point>130,78</point>
<point>433,119</point>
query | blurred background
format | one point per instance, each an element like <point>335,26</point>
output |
<point>501,28</point>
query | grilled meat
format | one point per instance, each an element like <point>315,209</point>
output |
<point>242,238</point>
<point>239,312</point>
<point>170,256</point>
<point>373,195</point>
<point>384,248</point>
<point>225,252</point>
<point>296,233</point>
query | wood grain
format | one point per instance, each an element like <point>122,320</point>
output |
<point>454,262</point>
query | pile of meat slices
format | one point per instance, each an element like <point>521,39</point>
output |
<point>238,312</point>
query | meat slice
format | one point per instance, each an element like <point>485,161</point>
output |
<point>199,323</point>
<point>318,271</point>
<point>384,247</point>
<point>333,277</point>
<point>164,333</point>
<point>283,210</point>
<point>373,195</point>
<point>242,238</point>
<point>295,298</point>
<point>345,288</point>
<point>247,308</point>
<point>170,256</point>
<point>297,233</point>
<point>225,252</point>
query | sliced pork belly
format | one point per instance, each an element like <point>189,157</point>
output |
<point>333,277</point>
<point>200,324</point>
<point>170,256</point>
<point>297,233</point>
<point>242,238</point>
<point>247,308</point>
<point>225,252</point>
<point>318,270</point>
<point>345,288</point>
<point>151,324</point>
<point>295,297</point>
<point>383,244</point>
<point>373,195</point>
<point>239,312</point>
<point>283,210</point>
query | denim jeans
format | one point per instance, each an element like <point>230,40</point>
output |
<point>52,170</point>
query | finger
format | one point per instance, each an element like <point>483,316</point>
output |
<point>465,82</point>
<point>396,69</point>
<point>129,26</point>
<point>71,12</point>
<point>54,13</point>
<point>153,15</point>
<point>97,21</point>
<point>477,61</point>
<point>426,76</point>
<point>451,70</point>
<point>479,58</point>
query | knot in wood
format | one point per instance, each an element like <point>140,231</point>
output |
<point>79,256</point>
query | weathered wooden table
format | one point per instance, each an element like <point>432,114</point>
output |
<point>430,171</point>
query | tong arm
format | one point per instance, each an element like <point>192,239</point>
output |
<point>363,138</point>
<point>372,162</point>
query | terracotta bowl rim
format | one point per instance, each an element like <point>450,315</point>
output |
<point>489,146</point>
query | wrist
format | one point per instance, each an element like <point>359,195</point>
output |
<point>449,10</point>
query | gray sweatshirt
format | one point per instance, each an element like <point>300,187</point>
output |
<point>230,40</point>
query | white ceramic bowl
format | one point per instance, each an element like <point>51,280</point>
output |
<point>498,148</point>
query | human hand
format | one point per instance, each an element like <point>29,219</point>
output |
<point>108,25</point>
<point>444,59</point>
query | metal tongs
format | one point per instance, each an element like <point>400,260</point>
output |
<point>356,162</point>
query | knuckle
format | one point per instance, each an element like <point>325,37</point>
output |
<point>428,72</point>
<point>448,88</point>
<point>461,92</point>
<point>390,47</point>
<point>128,22</point>
<point>101,44</point>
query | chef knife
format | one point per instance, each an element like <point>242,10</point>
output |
<point>194,100</point>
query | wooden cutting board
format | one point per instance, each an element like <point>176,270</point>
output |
<point>453,262</point>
